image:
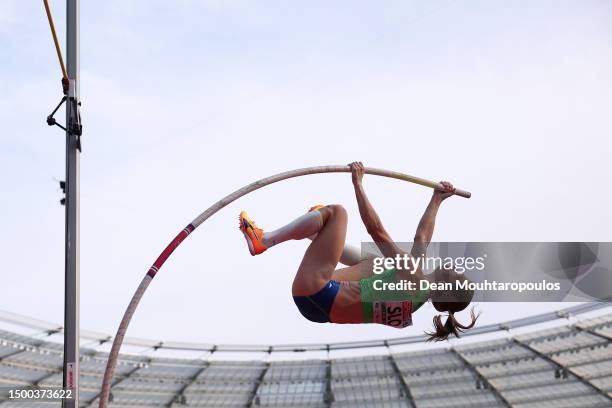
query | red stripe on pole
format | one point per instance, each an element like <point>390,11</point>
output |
<point>169,250</point>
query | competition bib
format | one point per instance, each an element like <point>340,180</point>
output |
<point>396,314</point>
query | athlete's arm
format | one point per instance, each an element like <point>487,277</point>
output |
<point>370,218</point>
<point>425,230</point>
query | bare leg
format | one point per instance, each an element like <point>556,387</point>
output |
<point>355,272</point>
<point>359,265</point>
<point>323,254</point>
<point>350,255</point>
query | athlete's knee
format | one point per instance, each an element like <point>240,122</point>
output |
<point>337,210</point>
<point>332,210</point>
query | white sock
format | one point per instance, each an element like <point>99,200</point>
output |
<point>303,227</point>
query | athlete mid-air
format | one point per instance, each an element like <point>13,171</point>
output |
<point>325,294</point>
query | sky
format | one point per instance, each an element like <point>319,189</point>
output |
<point>187,101</point>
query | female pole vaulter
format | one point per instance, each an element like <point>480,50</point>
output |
<point>324,294</point>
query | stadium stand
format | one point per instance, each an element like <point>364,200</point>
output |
<point>561,367</point>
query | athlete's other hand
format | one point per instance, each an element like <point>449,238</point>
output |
<point>357,172</point>
<point>446,191</point>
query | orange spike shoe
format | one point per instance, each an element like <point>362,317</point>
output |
<point>252,234</point>
<point>316,207</point>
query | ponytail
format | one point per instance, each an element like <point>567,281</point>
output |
<point>452,326</point>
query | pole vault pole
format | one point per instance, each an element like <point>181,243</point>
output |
<point>113,356</point>
<point>73,148</point>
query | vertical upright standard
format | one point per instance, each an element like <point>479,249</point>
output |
<point>73,147</point>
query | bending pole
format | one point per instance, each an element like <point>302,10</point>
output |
<point>114,353</point>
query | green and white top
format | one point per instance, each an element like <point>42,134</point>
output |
<point>389,307</point>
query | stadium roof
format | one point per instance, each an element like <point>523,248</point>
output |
<point>564,366</point>
<point>103,338</point>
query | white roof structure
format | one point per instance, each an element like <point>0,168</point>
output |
<point>564,366</point>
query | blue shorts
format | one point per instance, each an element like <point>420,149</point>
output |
<point>317,307</point>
